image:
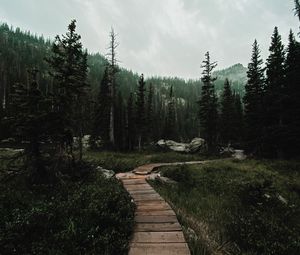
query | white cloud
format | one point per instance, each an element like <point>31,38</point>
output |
<point>164,37</point>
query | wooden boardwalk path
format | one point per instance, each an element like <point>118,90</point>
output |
<point>157,230</point>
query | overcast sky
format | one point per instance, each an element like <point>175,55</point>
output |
<point>161,37</point>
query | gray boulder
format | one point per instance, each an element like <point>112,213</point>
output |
<point>239,154</point>
<point>197,144</point>
<point>105,172</point>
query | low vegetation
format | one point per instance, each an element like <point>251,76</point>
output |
<point>85,215</point>
<point>227,206</point>
<point>124,162</point>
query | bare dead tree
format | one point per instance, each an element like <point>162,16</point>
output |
<point>113,69</point>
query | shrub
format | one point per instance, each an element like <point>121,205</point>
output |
<point>90,217</point>
<point>263,224</point>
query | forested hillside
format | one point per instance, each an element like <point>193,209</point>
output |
<point>21,51</point>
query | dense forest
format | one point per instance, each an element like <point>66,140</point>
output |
<point>22,51</point>
<point>235,88</point>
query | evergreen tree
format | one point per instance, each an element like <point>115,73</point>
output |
<point>238,126</point>
<point>140,112</point>
<point>297,8</point>
<point>120,121</point>
<point>291,103</point>
<point>170,129</point>
<point>102,113</point>
<point>29,119</point>
<point>208,105</point>
<point>227,128</point>
<point>130,123</point>
<point>253,102</point>
<point>150,113</point>
<point>68,64</point>
<point>82,101</point>
<point>273,97</point>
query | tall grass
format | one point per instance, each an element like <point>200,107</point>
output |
<point>248,207</point>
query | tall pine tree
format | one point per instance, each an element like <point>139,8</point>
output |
<point>253,102</point>
<point>150,113</point>
<point>273,97</point>
<point>208,105</point>
<point>291,103</point>
<point>102,114</point>
<point>69,68</point>
<point>29,122</point>
<point>130,123</point>
<point>170,128</point>
<point>238,125</point>
<point>140,117</point>
<point>227,118</point>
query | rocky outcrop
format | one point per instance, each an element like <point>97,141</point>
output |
<point>196,145</point>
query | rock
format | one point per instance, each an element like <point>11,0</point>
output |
<point>8,140</point>
<point>11,150</point>
<point>106,173</point>
<point>239,154</point>
<point>282,199</point>
<point>197,144</point>
<point>231,152</point>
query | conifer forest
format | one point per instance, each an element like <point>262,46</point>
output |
<point>134,135</point>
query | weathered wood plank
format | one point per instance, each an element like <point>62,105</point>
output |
<point>156,213</point>
<point>157,227</point>
<point>146,197</point>
<point>138,187</point>
<point>155,218</point>
<point>158,237</point>
<point>151,191</point>
<point>134,181</point>
<point>151,208</point>
<point>159,249</point>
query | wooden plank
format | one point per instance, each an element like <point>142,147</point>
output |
<point>157,227</point>
<point>145,198</point>
<point>151,208</point>
<point>134,181</point>
<point>152,205</point>
<point>156,213</point>
<point>138,187</point>
<point>159,249</point>
<point>152,202</point>
<point>155,218</point>
<point>158,237</point>
<point>152,191</point>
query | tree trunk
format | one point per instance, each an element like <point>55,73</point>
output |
<point>140,142</point>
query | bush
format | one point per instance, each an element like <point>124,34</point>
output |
<point>180,174</point>
<point>90,217</point>
<point>261,223</point>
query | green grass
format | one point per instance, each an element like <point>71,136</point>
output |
<point>233,206</point>
<point>124,162</point>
